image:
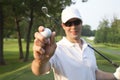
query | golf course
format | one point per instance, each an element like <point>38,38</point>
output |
<point>19,70</point>
<point>28,29</point>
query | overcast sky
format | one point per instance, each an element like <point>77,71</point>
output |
<point>94,11</point>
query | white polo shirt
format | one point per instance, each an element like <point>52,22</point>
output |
<point>69,62</point>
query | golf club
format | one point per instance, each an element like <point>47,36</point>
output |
<point>110,61</point>
<point>84,0</point>
<point>45,11</point>
<point>75,1</point>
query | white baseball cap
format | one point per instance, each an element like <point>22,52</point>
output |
<point>69,13</point>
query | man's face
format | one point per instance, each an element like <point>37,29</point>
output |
<point>73,28</point>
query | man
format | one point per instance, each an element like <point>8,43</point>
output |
<point>70,58</point>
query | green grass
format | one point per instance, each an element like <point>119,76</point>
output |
<point>18,70</point>
<point>111,52</point>
<point>24,73</point>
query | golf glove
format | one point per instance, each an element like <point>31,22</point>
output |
<point>117,73</point>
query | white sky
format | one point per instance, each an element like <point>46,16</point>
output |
<point>94,11</point>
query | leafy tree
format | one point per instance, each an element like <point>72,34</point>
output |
<point>18,9</point>
<point>107,33</point>
<point>2,61</point>
<point>12,14</point>
<point>86,31</point>
<point>102,32</point>
<point>115,30</point>
<point>93,32</point>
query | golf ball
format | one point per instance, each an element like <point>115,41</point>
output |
<point>46,33</point>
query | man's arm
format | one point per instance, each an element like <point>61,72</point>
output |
<point>101,75</point>
<point>43,50</point>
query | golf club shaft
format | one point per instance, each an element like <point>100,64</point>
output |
<point>110,61</point>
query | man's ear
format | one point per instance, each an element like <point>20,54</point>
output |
<point>63,26</point>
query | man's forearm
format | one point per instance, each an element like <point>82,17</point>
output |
<point>101,75</point>
<point>39,68</point>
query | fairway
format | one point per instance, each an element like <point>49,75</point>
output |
<point>24,73</point>
<point>17,70</point>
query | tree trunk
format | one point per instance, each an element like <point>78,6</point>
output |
<point>21,56</point>
<point>2,61</point>
<point>28,36</point>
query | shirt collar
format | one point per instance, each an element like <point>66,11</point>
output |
<point>68,43</point>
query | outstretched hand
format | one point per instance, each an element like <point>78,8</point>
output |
<point>43,48</point>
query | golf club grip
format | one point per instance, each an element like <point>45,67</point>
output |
<point>110,61</point>
<point>115,65</point>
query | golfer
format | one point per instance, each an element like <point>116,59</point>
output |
<point>70,58</point>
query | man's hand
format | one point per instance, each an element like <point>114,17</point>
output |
<point>117,73</point>
<point>43,48</point>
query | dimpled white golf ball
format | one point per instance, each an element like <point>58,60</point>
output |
<point>46,33</point>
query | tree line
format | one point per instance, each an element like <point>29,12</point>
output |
<point>108,32</point>
<point>86,31</point>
